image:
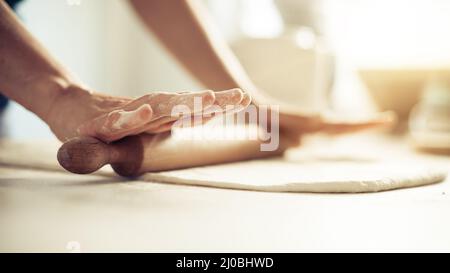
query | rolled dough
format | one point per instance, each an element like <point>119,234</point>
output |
<point>307,172</point>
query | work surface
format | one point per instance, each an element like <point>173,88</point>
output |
<point>56,211</point>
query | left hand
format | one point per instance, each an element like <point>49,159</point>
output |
<point>292,126</point>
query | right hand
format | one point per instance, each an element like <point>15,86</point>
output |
<point>77,112</point>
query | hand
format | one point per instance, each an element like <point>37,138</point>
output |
<point>292,125</point>
<point>108,118</point>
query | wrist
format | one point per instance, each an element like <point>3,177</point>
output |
<point>64,105</point>
<point>45,93</point>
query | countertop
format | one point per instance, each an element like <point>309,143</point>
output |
<point>55,211</point>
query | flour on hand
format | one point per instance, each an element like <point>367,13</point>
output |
<point>128,119</point>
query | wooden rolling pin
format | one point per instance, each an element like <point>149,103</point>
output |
<point>135,155</point>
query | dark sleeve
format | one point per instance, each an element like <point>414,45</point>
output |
<point>13,3</point>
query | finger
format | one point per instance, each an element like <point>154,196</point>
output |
<point>154,126</point>
<point>195,102</point>
<point>290,138</point>
<point>161,129</point>
<point>244,103</point>
<point>189,103</point>
<point>117,120</point>
<point>117,124</point>
<point>300,124</point>
<point>222,99</point>
<point>233,106</point>
<point>191,121</point>
<point>163,103</point>
<point>341,128</point>
<point>246,100</point>
<point>229,97</point>
<point>159,122</point>
<point>169,126</point>
<point>225,100</point>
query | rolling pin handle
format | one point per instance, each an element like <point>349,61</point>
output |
<point>84,155</point>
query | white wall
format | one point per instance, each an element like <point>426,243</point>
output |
<point>103,42</point>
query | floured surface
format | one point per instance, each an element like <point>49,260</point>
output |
<point>302,172</point>
<point>39,155</point>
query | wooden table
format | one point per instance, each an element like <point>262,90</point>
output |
<point>56,211</point>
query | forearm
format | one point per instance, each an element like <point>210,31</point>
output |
<point>186,31</point>
<point>28,74</point>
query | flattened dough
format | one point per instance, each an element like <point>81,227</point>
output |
<point>280,175</point>
<point>307,173</point>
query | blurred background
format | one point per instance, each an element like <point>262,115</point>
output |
<point>352,56</point>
